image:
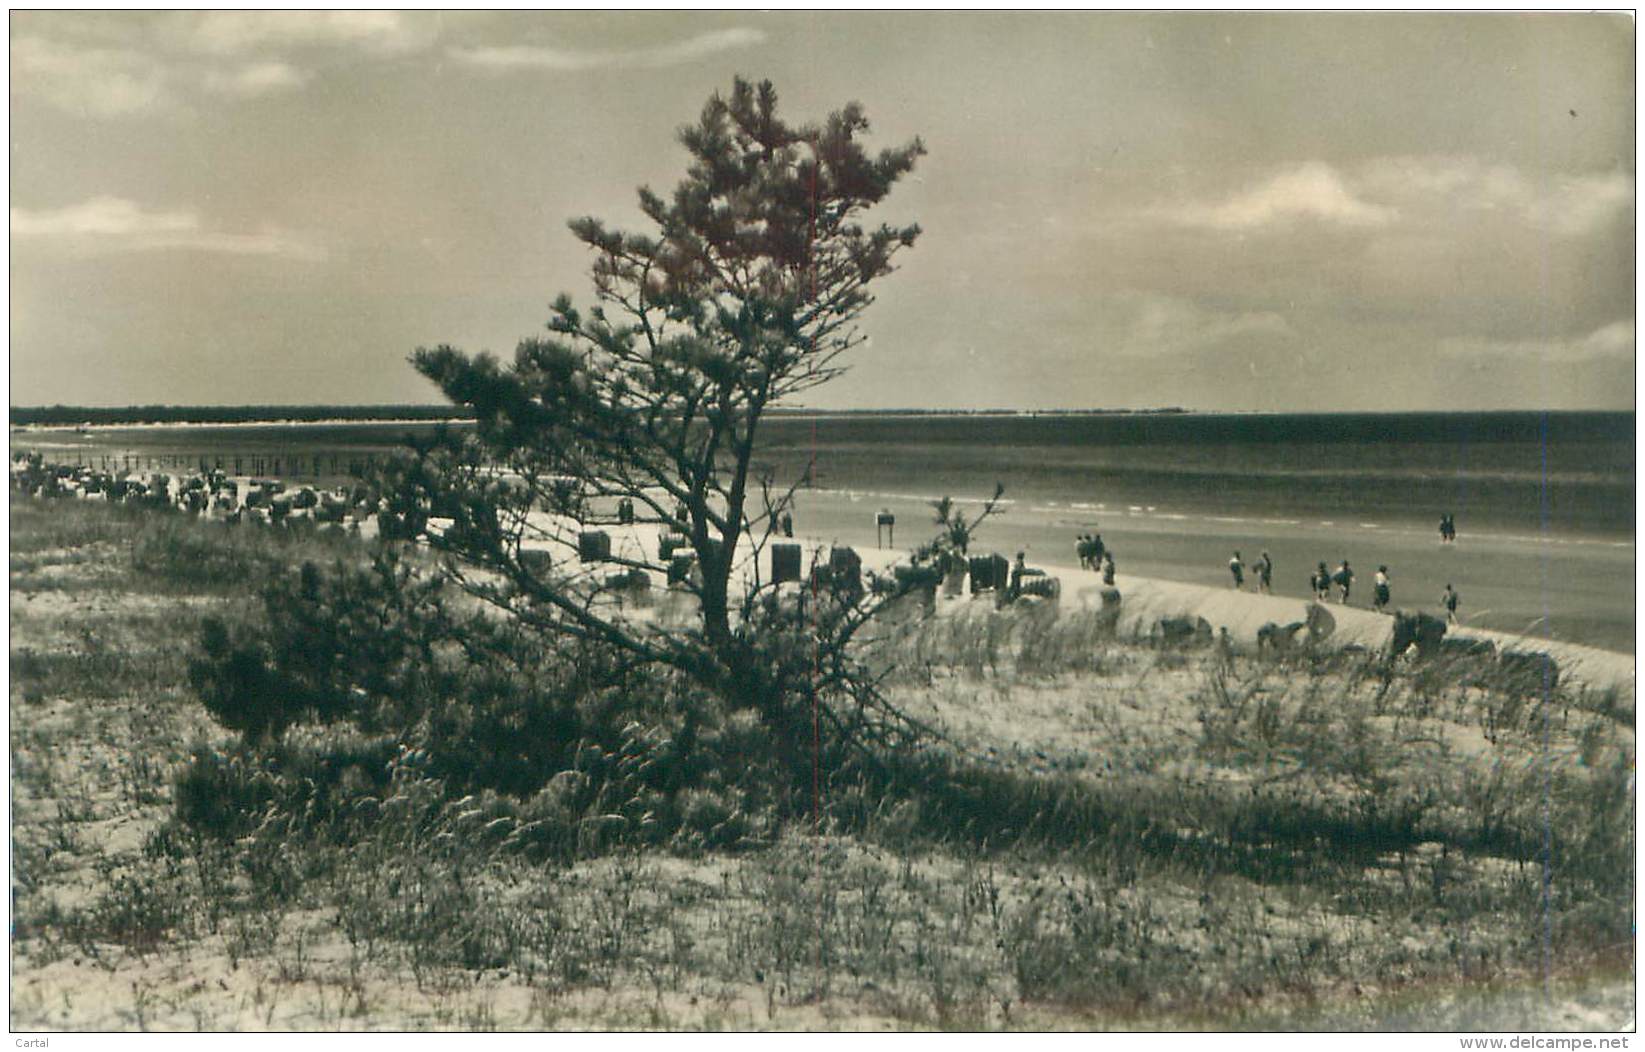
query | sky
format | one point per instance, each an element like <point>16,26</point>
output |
<point>1225,212</point>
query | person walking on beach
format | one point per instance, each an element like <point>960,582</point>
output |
<point>1237,568</point>
<point>1087,550</point>
<point>1381,592</point>
<point>1344,579</point>
<point>1108,567</point>
<point>1265,574</point>
<point>1321,580</point>
<point>1449,599</point>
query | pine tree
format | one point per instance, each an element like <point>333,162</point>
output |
<point>746,293</point>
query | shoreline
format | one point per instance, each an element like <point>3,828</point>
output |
<point>1154,513</point>
<point>1144,601</point>
<point>1510,579</point>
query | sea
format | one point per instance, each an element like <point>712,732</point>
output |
<point>1562,473</point>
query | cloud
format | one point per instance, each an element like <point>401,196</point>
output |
<point>1313,191</point>
<point>92,81</point>
<point>228,33</point>
<point>1421,195</point>
<point>1612,342</point>
<point>128,65</point>
<point>1169,326</point>
<point>1436,188</point>
<point>1577,205</point>
<point>160,64</point>
<point>531,57</point>
<point>112,82</point>
<point>114,224</point>
<point>256,78</point>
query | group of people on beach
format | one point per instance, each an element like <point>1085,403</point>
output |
<point>1263,570</point>
<point>1342,578</point>
<point>1322,580</point>
<point>1095,556</point>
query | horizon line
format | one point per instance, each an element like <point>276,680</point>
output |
<point>429,407</point>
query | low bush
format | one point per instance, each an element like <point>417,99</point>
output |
<point>353,676</point>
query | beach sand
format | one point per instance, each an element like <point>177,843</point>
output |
<point>1577,590</point>
<point>1144,601</point>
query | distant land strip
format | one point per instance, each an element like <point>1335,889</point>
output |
<point>55,415</point>
<point>1324,426</point>
<point>228,414</point>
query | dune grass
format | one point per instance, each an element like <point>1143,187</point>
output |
<point>1105,835</point>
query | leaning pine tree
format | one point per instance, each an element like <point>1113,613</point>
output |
<point>745,294</point>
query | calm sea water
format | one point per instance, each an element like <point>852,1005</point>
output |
<point>1562,473</point>
<point>1516,472</point>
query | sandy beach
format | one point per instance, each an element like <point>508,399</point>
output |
<point>1571,589</point>
<point>1145,600</point>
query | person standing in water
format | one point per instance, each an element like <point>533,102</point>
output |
<point>1382,593</point>
<point>1449,600</point>
<point>1265,574</point>
<point>1237,568</point>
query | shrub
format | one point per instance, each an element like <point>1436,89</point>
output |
<point>237,686</point>
<point>473,705</point>
<point>348,644</point>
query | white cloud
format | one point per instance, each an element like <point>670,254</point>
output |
<point>1153,325</point>
<point>91,81</point>
<point>165,62</point>
<point>158,64</point>
<point>100,216</point>
<point>114,224</point>
<point>1569,205</point>
<point>1608,342</point>
<point>1577,205</point>
<point>240,32</point>
<point>1313,191</point>
<point>1427,196</point>
<point>256,78</point>
<point>525,56</point>
<point>111,83</point>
